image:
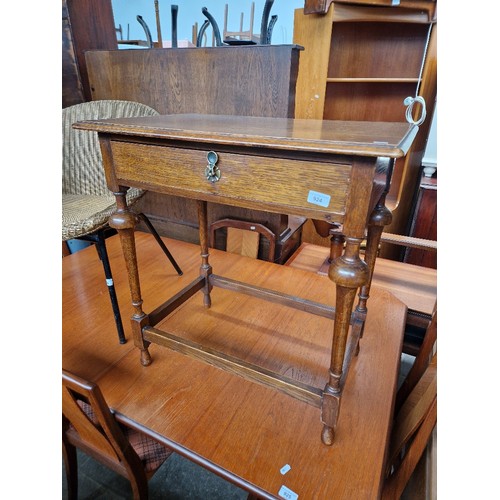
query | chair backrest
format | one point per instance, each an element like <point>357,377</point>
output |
<point>412,430</point>
<point>243,237</point>
<point>89,425</point>
<point>82,170</point>
<point>420,364</point>
<point>415,417</point>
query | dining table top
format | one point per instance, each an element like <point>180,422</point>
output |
<point>241,430</point>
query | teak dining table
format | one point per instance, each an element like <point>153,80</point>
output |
<point>242,430</point>
<point>328,170</point>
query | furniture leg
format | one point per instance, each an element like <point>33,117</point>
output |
<point>100,242</point>
<point>348,272</point>
<point>337,241</point>
<point>123,220</point>
<point>166,251</point>
<point>71,467</point>
<point>380,217</point>
<point>206,268</point>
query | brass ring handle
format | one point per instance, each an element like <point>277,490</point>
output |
<point>212,172</point>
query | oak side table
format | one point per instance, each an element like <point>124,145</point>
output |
<point>333,171</point>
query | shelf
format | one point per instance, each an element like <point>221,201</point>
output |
<point>374,51</point>
<point>359,63</point>
<point>372,80</point>
<point>367,100</point>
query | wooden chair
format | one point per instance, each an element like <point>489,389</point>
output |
<point>86,201</point>
<point>416,417</point>
<point>89,425</point>
<point>243,238</point>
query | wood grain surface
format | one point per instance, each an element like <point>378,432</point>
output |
<point>242,430</point>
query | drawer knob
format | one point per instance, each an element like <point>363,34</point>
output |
<point>212,172</point>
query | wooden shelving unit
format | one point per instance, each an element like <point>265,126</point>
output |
<point>359,63</point>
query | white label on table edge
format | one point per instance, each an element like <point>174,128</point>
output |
<point>320,199</point>
<point>287,493</point>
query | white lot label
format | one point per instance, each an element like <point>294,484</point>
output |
<point>287,493</point>
<point>320,199</point>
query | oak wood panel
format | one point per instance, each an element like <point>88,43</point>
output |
<point>243,431</point>
<point>300,138</point>
<point>248,81</point>
<point>262,180</point>
<point>213,80</point>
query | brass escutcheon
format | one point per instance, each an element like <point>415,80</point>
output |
<point>212,172</point>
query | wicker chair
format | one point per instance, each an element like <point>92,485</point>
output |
<point>86,201</point>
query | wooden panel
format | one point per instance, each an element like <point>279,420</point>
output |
<point>313,68</point>
<point>242,242</point>
<point>244,81</point>
<point>93,27</point>
<point>229,80</point>
<point>367,101</point>
<point>389,50</point>
<point>260,180</point>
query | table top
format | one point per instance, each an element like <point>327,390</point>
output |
<point>242,430</point>
<point>314,136</point>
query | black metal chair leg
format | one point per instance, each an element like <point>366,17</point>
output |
<point>100,242</point>
<point>160,242</point>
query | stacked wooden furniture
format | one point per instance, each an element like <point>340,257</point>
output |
<point>361,59</point>
<point>214,80</point>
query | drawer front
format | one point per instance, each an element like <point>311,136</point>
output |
<point>292,186</point>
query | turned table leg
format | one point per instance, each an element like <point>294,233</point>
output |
<point>349,272</point>
<point>124,221</point>
<point>380,217</point>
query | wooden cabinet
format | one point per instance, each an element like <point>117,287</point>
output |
<point>359,63</point>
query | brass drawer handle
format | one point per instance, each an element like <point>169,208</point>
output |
<point>212,172</point>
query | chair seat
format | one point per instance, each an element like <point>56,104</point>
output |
<point>151,453</point>
<point>83,214</point>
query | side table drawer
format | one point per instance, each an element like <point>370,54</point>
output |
<point>319,188</point>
